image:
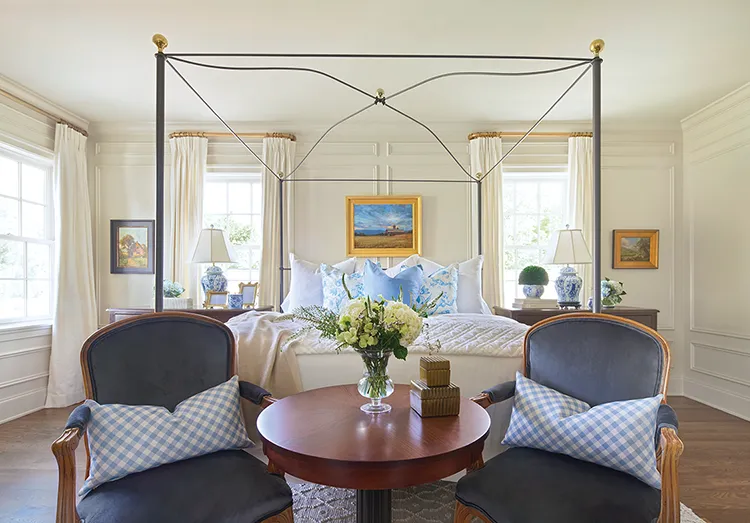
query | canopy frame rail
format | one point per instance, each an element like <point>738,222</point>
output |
<point>162,59</point>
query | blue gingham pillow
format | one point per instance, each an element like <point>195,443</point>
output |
<point>618,435</point>
<point>443,280</point>
<point>124,439</point>
<point>334,294</point>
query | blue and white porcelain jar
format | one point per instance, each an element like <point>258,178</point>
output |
<point>214,280</point>
<point>235,301</point>
<point>568,287</point>
<point>533,291</point>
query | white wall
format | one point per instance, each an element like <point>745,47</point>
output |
<point>641,189</point>
<point>717,249</point>
<point>24,350</point>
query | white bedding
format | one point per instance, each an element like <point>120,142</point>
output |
<point>459,334</point>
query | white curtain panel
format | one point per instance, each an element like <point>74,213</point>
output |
<point>581,200</point>
<point>278,154</point>
<point>486,152</point>
<point>75,299</point>
<point>184,187</point>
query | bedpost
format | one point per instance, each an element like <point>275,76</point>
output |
<point>281,240</point>
<point>161,43</point>
<point>479,213</point>
<point>596,48</point>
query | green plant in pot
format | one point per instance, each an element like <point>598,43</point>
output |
<point>533,278</point>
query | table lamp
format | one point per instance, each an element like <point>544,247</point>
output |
<point>213,247</point>
<point>568,246</point>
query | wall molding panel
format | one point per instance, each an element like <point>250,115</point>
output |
<point>717,152</point>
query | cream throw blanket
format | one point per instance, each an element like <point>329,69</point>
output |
<point>261,361</point>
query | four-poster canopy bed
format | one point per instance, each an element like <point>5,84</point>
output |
<point>476,179</point>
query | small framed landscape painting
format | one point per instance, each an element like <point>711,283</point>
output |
<point>383,226</point>
<point>131,246</point>
<point>635,249</point>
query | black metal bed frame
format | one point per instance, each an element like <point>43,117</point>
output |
<point>163,59</point>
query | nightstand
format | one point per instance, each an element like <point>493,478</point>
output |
<point>217,314</point>
<point>647,317</point>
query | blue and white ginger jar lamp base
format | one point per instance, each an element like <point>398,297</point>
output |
<point>214,280</point>
<point>568,286</point>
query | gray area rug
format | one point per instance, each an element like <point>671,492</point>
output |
<point>431,503</point>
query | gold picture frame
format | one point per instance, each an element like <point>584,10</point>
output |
<point>635,249</point>
<point>383,226</point>
<point>249,293</point>
<point>216,300</point>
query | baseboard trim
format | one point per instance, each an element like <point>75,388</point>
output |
<point>676,386</point>
<point>718,398</point>
<point>27,403</point>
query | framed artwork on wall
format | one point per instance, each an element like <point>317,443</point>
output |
<point>131,247</point>
<point>383,226</point>
<point>635,249</point>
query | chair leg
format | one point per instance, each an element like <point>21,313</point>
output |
<point>285,517</point>
<point>466,514</point>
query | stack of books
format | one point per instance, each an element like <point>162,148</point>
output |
<point>534,303</point>
<point>433,394</point>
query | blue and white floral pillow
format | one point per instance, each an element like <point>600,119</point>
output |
<point>334,294</point>
<point>443,280</point>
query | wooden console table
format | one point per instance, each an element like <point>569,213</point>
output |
<point>218,314</point>
<point>647,317</point>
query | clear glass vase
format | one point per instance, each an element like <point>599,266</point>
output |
<point>375,383</point>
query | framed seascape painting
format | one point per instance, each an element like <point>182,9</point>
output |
<point>131,247</point>
<point>383,226</point>
<point>635,249</point>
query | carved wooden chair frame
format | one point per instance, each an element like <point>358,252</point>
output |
<point>64,447</point>
<point>667,454</point>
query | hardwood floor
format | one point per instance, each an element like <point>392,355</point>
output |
<point>714,471</point>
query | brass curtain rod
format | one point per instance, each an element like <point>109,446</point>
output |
<point>215,134</point>
<point>503,134</point>
<point>41,111</point>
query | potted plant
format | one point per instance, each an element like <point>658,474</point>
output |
<point>533,278</point>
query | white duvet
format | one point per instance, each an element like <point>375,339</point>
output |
<point>471,334</point>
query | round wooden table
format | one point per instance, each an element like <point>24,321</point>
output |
<point>321,436</point>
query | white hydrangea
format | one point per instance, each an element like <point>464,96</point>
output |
<point>401,317</point>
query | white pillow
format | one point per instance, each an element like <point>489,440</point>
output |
<point>306,287</point>
<point>469,283</point>
<point>411,261</point>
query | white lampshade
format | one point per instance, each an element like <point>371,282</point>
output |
<point>567,246</point>
<point>213,247</point>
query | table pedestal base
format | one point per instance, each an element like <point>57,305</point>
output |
<point>373,506</point>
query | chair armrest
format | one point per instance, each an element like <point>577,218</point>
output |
<point>64,450</point>
<point>666,417</point>
<point>667,458</point>
<point>255,394</point>
<point>496,394</point>
<point>79,418</point>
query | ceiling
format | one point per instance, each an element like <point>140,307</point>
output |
<point>663,59</point>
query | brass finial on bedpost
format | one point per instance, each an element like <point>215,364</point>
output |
<point>160,41</point>
<point>597,46</point>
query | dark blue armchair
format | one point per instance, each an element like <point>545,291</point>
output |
<point>162,359</point>
<point>596,358</point>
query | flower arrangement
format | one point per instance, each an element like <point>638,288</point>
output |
<point>612,292</point>
<point>172,289</point>
<point>373,328</point>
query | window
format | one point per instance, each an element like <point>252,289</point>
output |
<point>234,202</point>
<point>534,206</point>
<point>26,238</point>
